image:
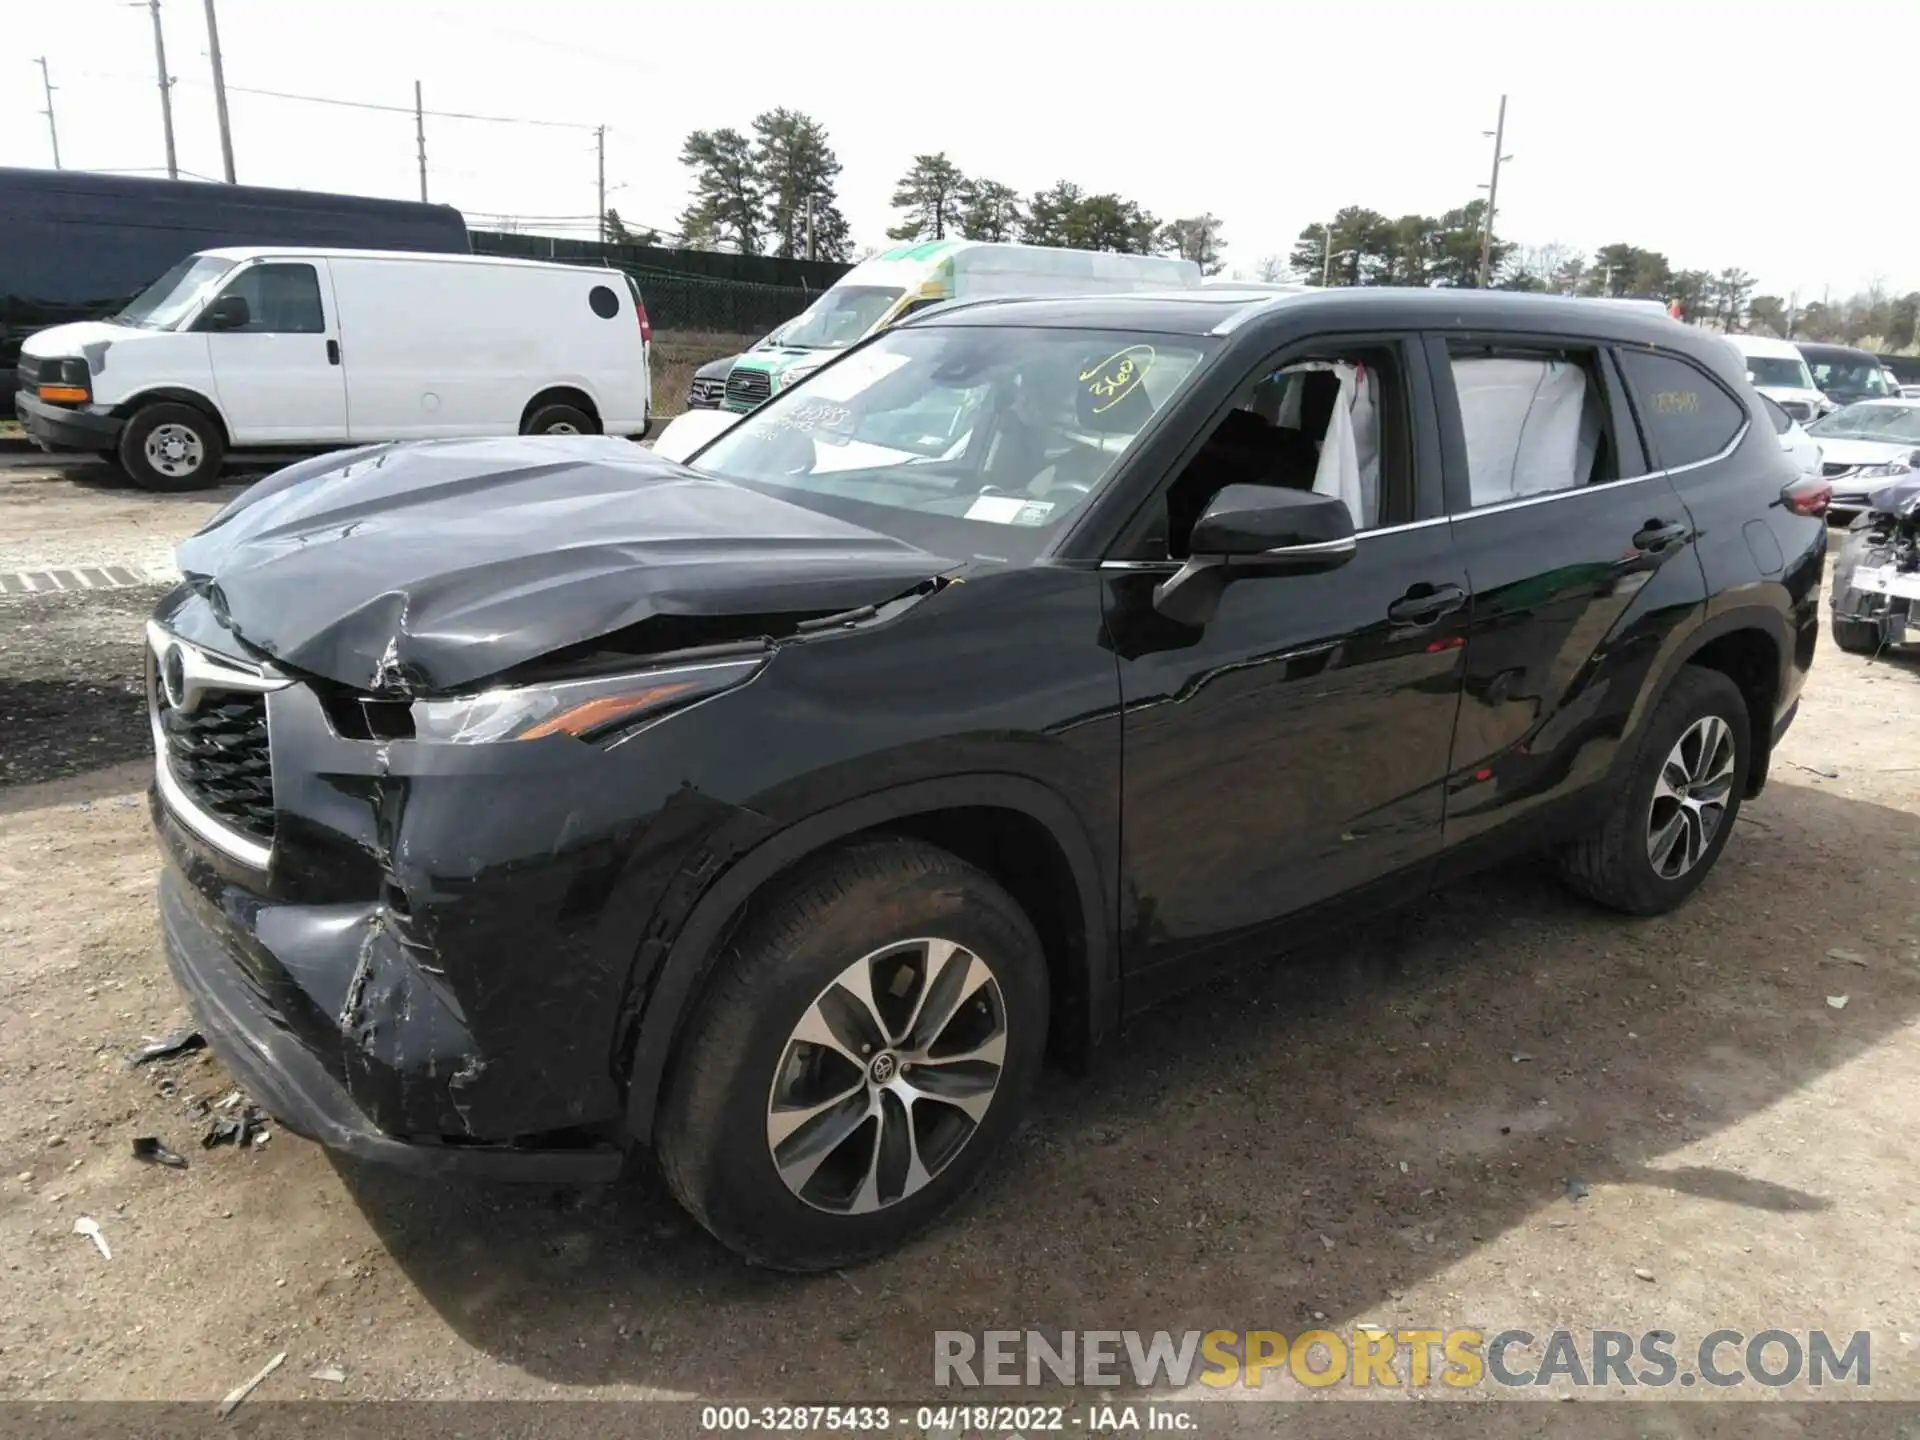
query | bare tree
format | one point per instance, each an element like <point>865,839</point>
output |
<point>1545,265</point>
<point>1270,268</point>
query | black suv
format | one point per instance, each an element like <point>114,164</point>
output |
<point>531,800</point>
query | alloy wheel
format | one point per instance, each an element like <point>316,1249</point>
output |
<point>1690,797</point>
<point>888,1074</point>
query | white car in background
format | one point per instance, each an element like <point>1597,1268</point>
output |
<point>1778,370</point>
<point>1866,447</point>
<point>1802,447</point>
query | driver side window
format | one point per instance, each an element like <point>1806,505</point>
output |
<point>1332,421</point>
<point>282,298</point>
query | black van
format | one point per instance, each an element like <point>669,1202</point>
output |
<point>78,246</point>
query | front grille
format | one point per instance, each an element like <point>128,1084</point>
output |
<point>218,752</point>
<point>1799,409</point>
<point>747,389</point>
<point>1832,471</point>
<point>29,373</point>
<point>706,393</point>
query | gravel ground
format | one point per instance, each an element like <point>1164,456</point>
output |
<point>1383,1130</point>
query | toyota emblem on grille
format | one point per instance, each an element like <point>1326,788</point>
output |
<point>173,677</point>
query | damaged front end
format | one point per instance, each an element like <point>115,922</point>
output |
<point>419,813</point>
<point>1877,572</point>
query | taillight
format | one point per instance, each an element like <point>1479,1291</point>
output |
<point>646,327</point>
<point>1807,497</point>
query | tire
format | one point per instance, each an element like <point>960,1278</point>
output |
<point>171,448</point>
<point>560,420</point>
<point>1856,637</point>
<point>857,910</point>
<point>1612,865</point>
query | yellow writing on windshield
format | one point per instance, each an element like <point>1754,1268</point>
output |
<point>1676,402</point>
<point>1117,376</point>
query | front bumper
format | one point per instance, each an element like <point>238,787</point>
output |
<point>293,1084</point>
<point>59,427</point>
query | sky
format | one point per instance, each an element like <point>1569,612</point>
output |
<point>1693,127</point>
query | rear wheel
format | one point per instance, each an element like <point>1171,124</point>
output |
<point>171,448</point>
<point>1668,822</point>
<point>560,420</point>
<point>862,1051</point>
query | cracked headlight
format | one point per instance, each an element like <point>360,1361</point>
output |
<point>593,709</point>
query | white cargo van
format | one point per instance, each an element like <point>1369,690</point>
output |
<point>304,349</point>
<point>1778,370</point>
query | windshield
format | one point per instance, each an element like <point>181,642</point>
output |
<point>967,441</point>
<point>838,318</point>
<point>1853,377</point>
<point>1894,424</point>
<point>173,297</point>
<point>1780,372</point>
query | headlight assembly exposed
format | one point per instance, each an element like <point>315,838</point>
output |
<point>592,709</point>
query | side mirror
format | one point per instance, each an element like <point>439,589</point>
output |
<point>229,312</point>
<point>1249,530</point>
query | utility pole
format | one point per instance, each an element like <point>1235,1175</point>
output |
<point>166,88</point>
<point>809,227</point>
<point>420,138</point>
<point>1493,192</point>
<point>53,133</point>
<point>1326,256</point>
<point>600,158</point>
<point>220,91</point>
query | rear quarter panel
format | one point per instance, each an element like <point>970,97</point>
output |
<point>460,349</point>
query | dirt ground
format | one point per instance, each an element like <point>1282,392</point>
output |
<point>1383,1130</point>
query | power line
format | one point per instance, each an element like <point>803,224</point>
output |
<point>406,109</point>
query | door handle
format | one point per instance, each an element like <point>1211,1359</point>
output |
<point>1424,604</point>
<point>333,352</point>
<point>1658,537</point>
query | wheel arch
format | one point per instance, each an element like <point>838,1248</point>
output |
<point>573,395</point>
<point>177,395</point>
<point>971,815</point>
<point>1747,645</point>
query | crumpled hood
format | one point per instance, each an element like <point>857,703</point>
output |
<point>421,568</point>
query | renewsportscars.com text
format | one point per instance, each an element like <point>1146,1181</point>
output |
<point>1373,1358</point>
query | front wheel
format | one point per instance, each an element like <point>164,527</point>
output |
<point>862,1051</point>
<point>171,448</point>
<point>1668,821</point>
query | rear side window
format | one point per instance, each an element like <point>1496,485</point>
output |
<point>1687,416</point>
<point>605,303</point>
<point>1535,421</point>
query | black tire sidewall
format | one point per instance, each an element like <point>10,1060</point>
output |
<point>738,1192</point>
<point>1857,637</point>
<point>1695,695</point>
<point>132,455</point>
<point>539,422</point>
